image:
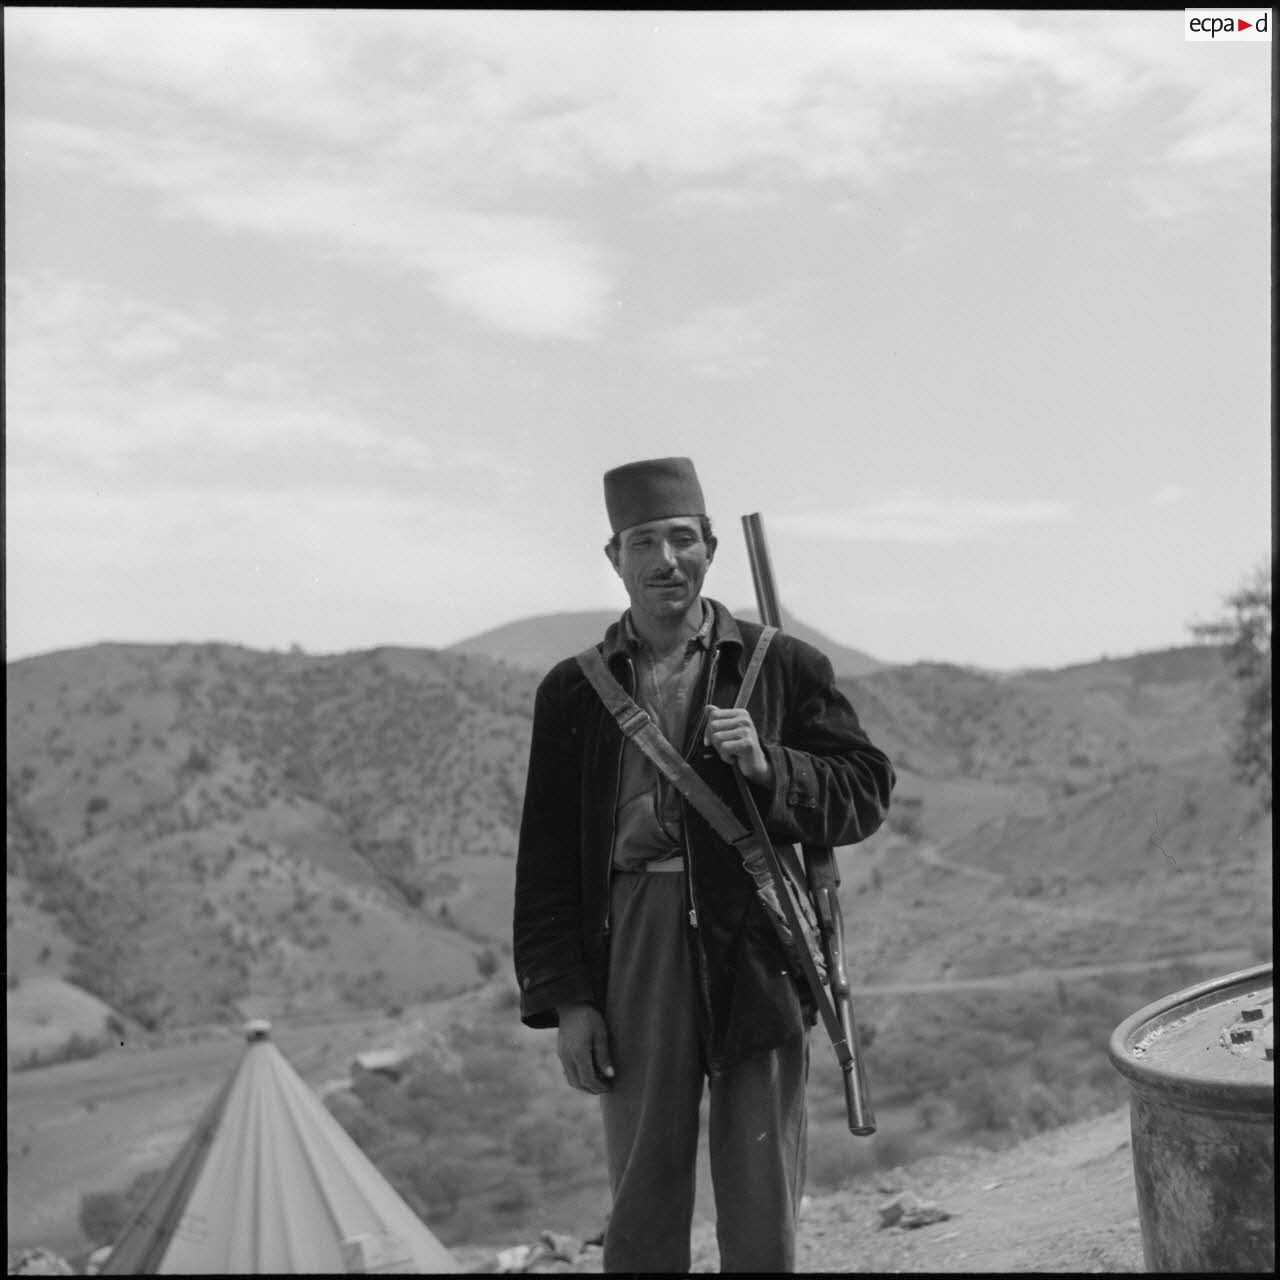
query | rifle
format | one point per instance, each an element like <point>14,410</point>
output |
<point>823,877</point>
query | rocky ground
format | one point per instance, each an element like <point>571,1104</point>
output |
<point>1063,1201</point>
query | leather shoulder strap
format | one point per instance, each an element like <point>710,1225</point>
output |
<point>780,894</point>
<point>638,725</point>
<point>753,667</point>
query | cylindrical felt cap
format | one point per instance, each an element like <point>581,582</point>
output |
<point>652,490</point>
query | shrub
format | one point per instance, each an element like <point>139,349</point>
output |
<point>538,1142</point>
<point>514,1193</point>
<point>904,816</point>
<point>893,1150</point>
<point>102,1214</point>
<point>1044,1109</point>
<point>985,1102</point>
<point>71,1050</point>
<point>833,1159</point>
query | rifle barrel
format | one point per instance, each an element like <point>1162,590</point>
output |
<point>857,1097</point>
<point>762,570</point>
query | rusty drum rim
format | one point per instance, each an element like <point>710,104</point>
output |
<point>1229,1095</point>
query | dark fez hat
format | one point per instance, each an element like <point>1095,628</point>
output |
<point>653,490</point>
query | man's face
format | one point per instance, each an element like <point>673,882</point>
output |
<point>662,565</point>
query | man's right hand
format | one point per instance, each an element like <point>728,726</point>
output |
<point>584,1048</point>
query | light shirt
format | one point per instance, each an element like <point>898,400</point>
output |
<point>650,822</point>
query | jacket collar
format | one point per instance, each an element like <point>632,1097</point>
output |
<point>724,633</point>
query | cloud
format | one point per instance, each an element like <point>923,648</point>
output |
<point>1168,496</point>
<point>915,518</point>
<point>108,391</point>
<point>521,273</point>
<point>479,110</point>
<point>724,342</point>
<point>273,68</point>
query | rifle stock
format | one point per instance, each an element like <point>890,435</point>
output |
<point>824,879</point>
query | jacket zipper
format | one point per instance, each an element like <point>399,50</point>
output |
<point>704,988</point>
<point>688,863</point>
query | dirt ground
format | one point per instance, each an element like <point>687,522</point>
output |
<point>1063,1201</point>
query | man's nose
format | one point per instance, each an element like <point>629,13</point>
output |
<point>667,552</point>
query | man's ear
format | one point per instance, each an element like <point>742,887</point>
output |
<point>611,550</point>
<point>712,543</point>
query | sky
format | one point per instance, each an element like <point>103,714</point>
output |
<point>322,326</point>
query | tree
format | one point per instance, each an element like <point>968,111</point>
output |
<point>1245,635</point>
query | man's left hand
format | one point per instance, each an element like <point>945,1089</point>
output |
<point>731,733</point>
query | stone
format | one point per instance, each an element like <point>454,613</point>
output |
<point>889,1213</point>
<point>907,1210</point>
<point>39,1262</point>
<point>514,1259</point>
<point>561,1246</point>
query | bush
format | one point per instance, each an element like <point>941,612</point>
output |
<point>893,1150</point>
<point>514,1194</point>
<point>1044,1109</point>
<point>904,816</point>
<point>985,1102</point>
<point>834,1158</point>
<point>102,1215</point>
<point>538,1142</point>
<point>71,1050</point>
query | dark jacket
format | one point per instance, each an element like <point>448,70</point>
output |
<point>831,787</point>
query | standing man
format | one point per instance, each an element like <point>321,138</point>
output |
<point>638,932</point>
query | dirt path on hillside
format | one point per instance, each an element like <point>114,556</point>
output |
<point>1224,961</point>
<point>929,855</point>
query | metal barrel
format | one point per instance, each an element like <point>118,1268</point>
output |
<point>1201,1074</point>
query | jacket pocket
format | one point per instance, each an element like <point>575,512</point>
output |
<point>764,1007</point>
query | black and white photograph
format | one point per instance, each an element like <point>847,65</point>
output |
<point>638,641</point>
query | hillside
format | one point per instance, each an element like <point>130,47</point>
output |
<point>198,833</point>
<point>299,833</point>
<point>1085,812</point>
<point>538,643</point>
<point>282,832</point>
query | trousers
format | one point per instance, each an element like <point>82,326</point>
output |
<point>757,1119</point>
